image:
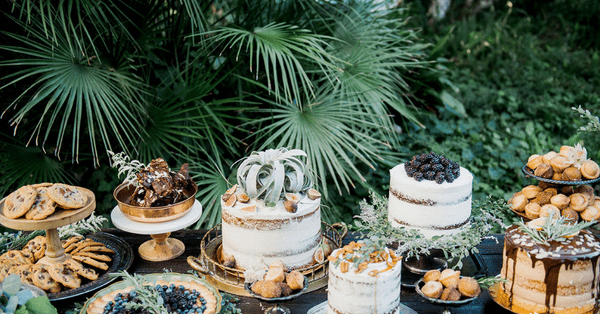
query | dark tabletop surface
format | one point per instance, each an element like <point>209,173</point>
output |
<point>490,251</point>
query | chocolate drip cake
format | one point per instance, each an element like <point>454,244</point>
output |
<point>559,277</point>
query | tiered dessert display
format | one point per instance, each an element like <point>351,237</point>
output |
<point>61,268</point>
<point>429,215</point>
<point>155,201</point>
<point>364,277</point>
<point>550,266</point>
<point>558,174</point>
<point>271,215</point>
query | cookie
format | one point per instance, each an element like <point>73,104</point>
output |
<point>19,202</point>
<point>37,246</point>
<point>15,256</point>
<point>71,240</point>
<point>90,261</point>
<point>98,257</point>
<point>65,276</point>
<point>43,206</point>
<point>24,271</point>
<point>82,271</point>
<point>83,244</point>
<point>67,196</point>
<point>42,279</point>
<point>98,249</point>
<point>28,256</point>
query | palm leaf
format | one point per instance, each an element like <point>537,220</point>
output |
<point>71,96</point>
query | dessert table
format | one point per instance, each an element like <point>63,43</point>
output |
<point>490,250</point>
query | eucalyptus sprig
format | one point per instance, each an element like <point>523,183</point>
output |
<point>487,282</point>
<point>593,121</point>
<point>126,166</point>
<point>553,229</point>
<point>373,222</point>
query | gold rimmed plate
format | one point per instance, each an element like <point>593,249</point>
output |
<point>154,214</point>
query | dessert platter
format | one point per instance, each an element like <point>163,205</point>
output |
<point>66,268</point>
<point>447,288</point>
<point>156,201</point>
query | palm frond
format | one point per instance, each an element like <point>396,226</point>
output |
<point>211,177</point>
<point>71,96</point>
<point>27,165</point>
<point>281,50</point>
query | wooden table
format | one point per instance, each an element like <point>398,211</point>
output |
<point>489,249</point>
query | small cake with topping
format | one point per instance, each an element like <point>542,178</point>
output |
<point>364,277</point>
<point>430,193</point>
<point>272,213</point>
<point>159,186</point>
<point>550,266</point>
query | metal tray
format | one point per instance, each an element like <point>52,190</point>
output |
<point>529,173</point>
<point>121,260</point>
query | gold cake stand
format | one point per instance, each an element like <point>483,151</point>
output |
<point>231,280</point>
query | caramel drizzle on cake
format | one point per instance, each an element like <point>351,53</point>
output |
<point>426,202</point>
<point>571,253</point>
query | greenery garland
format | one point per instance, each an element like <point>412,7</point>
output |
<point>373,222</point>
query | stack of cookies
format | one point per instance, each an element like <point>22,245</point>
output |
<point>87,259</point>
<point>36,203</point>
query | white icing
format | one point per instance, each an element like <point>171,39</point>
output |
<point>352,293</point>
<point>292,242</point>
<point>449,203</point>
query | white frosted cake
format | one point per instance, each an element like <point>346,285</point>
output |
<point>277,221</point>
<point>373,286</point>
<point>256,239</point>
<point>434,207</point>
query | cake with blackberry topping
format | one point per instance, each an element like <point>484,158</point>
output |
<point>272,214</point>
<point>430,193</point>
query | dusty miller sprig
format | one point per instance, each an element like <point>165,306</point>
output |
<point>126,166</point>
<point>553,229</point>
<point>373,222</point>
<point>593,121</point>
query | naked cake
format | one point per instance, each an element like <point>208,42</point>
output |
<point>272,214</point>
<point>431,194</point>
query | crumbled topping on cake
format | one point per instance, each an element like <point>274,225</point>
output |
<point>363,253</point>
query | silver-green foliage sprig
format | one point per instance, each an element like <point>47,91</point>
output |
<point>553,229</point>
<point>593,121</point>
<point>373,222</point>
<point>268,175</point>
<point>148,297</point>
<point>126,166</point>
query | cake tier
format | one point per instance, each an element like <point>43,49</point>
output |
<point>352,293</point>
<point>558,278</point>
<point>257,239</point>
<point>432,208</point>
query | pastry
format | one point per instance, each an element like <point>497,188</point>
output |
<point>433,274</point>
<point>588,191</point>
<point>589,213</point>
<point>433,289</point>
<point>590,170</point>
<point>571,174</point>
<point>549,210</point>
<point>268,289</point>
<point>450,294</point>
<point>534,161</point>
<point>566,150</point>
<point>578,201</point>
<point>557,176</point>
<point>519,203</point>
<point>469,287</point>
<point>570,214</point>
<point>531,191</point>
<point>532,210</point>
<point>295,280</point>
<point>544,171</point>
<point>560,163</point>
<point>547,158</point>
<point>67,196</point>
<point>43,206</point>
<point>543,198</point>
<point>552,191</point>
<point>449,278</point>
<point>19,202</point>
<point>561,201</point>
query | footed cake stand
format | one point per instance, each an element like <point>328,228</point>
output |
<point>61,217</point>
<point>161,247</point>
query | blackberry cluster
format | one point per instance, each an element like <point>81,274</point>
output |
<point>433,167</point>
<point>175,299</point>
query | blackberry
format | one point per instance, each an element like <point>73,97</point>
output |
<point>429,175</point>
<point>425,167</point>
<point>437,167</point>
<point>410,172</point>
<point>449,177</point>
<point>439,178</point>
<point>416,164</point>
<point>418,176</point>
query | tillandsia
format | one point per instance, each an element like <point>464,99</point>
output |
<point>268,175</point>
<point>373,222</point>
<point>126,166</point>
<point>546,229</point>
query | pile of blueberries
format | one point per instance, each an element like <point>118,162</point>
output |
<point>433,167</point>
<point>175,300</point>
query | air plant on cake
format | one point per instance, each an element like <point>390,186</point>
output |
<point>275,174</point>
